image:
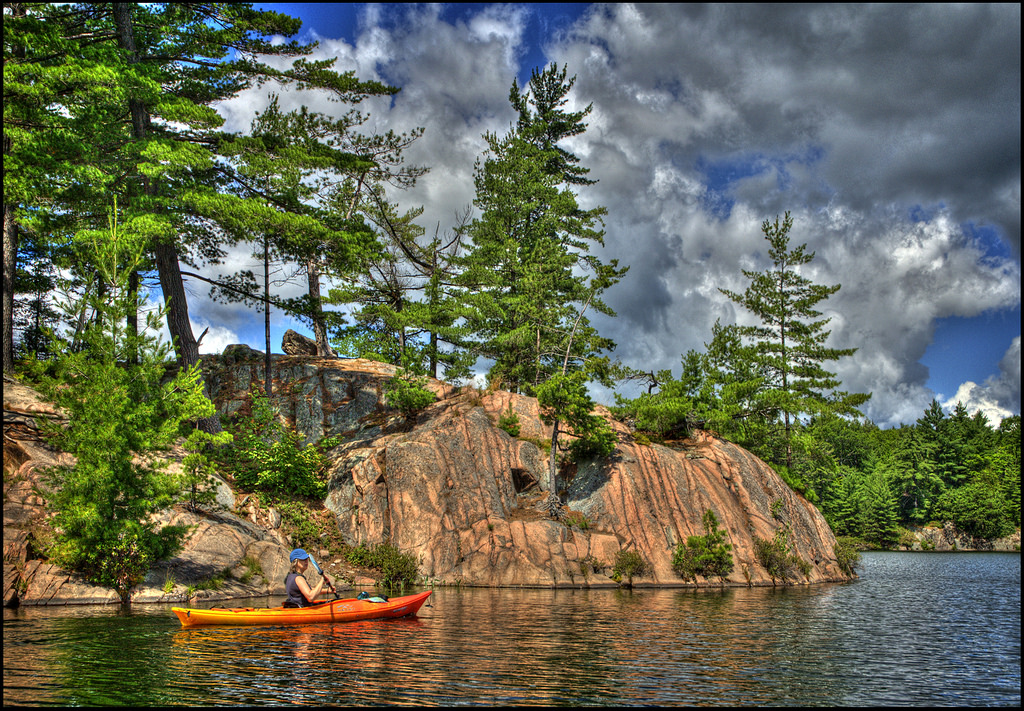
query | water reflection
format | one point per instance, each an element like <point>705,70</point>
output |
<point>914,631</point>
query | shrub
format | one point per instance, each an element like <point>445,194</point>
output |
<point>847,556</point>
<point>776,557</point>
<point>705,555</point>
<point>269,457</point>
<point>627,565</point>
<point>977,508</point>
<point>301,525</point>
<point>408,393</point>
<point>599,442</point>
<point>580,521</point>
<point>564,398</point>
<point>198,483</point>
<point>509,422</point>
<point>393,568</point>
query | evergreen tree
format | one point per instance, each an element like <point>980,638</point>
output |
<point>407,307</point>
<point>879,515</point>
<point>843,508</point>
<point>909,466</point>
<point>742,411</point>
<point>119,413</point>
<point>293,165</point>
<point>528,273</point>
<point>978,508</point>
<point>944,444</point>
<point>790,340</point>
<point>1006,463</point>
<point>52,143</point>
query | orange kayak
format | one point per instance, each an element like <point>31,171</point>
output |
<point>348,610</point>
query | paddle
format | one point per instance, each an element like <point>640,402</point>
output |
<point>320,570</point>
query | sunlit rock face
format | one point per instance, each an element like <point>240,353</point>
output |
<point>447,485</point>
<point>451,487</point>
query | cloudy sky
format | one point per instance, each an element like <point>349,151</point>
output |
<point>890,132</point>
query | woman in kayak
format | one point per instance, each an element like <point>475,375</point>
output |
<point>299,592</point>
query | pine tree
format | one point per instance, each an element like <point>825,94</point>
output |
<point>528,274</point>
<point>909,467</point>
<point>879,515</point>
<point>528,270</point>
<point>1007,465</point>
<point>158,69</point>
<point>119,413</point>
<point>52,143</point>
<point>790,340</point>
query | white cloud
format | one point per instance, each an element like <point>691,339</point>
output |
<point>999,396</point>
<point>216,339</point>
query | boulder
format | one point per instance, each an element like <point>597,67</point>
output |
<point>296,344</point>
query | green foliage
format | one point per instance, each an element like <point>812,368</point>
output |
<point>1006,466</point>
<point>302,527</point>
<point>119,413</point>
<point>847,555</point>
<point>509,421</point>
<point>253,568</point>
<point>777,557</point>
<point>628,564</point>
<point>577,519</point>
<point>528,276</point>
<point>678,406</point>
<point>789,342</point>
<point>977,508</point>
<point>268,456</point>
<point>795,482</point>
<point>393,568</point>
<point>198,468</point>
<point>120,97</point>
<point>565,398</point>
<point>408,393</point>
<point>705,555</point>
<point>879,524</point>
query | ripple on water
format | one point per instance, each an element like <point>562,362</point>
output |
<point>915,630</point>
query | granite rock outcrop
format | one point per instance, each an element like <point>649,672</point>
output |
<point>447,485</point>
<point>457,491</point>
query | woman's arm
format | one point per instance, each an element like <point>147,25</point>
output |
<point>311,594</point>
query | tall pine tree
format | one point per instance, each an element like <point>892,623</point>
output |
<point>790,340</point>
<point>529,275</point>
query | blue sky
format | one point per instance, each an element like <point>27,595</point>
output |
<point>892,133</point>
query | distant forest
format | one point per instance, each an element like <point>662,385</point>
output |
<point>118,177</point>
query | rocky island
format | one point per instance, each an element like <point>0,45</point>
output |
<point>446,485</point>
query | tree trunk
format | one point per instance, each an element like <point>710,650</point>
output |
<point>553,462</point>
<point>323,348</point>
<point>133,318</point>
<point>16,9</point>
<point>10,269</point>
<point>268,383</point>
<point>185,346</point>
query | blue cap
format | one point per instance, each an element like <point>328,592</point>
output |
<point>298,554</point>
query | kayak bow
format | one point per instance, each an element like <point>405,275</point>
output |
<point>348,610</point>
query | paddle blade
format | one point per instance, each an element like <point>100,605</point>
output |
<point>316,565</point>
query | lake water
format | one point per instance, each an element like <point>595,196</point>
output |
<point>916,629</point>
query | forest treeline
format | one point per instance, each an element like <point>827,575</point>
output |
<point>119,176</point>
